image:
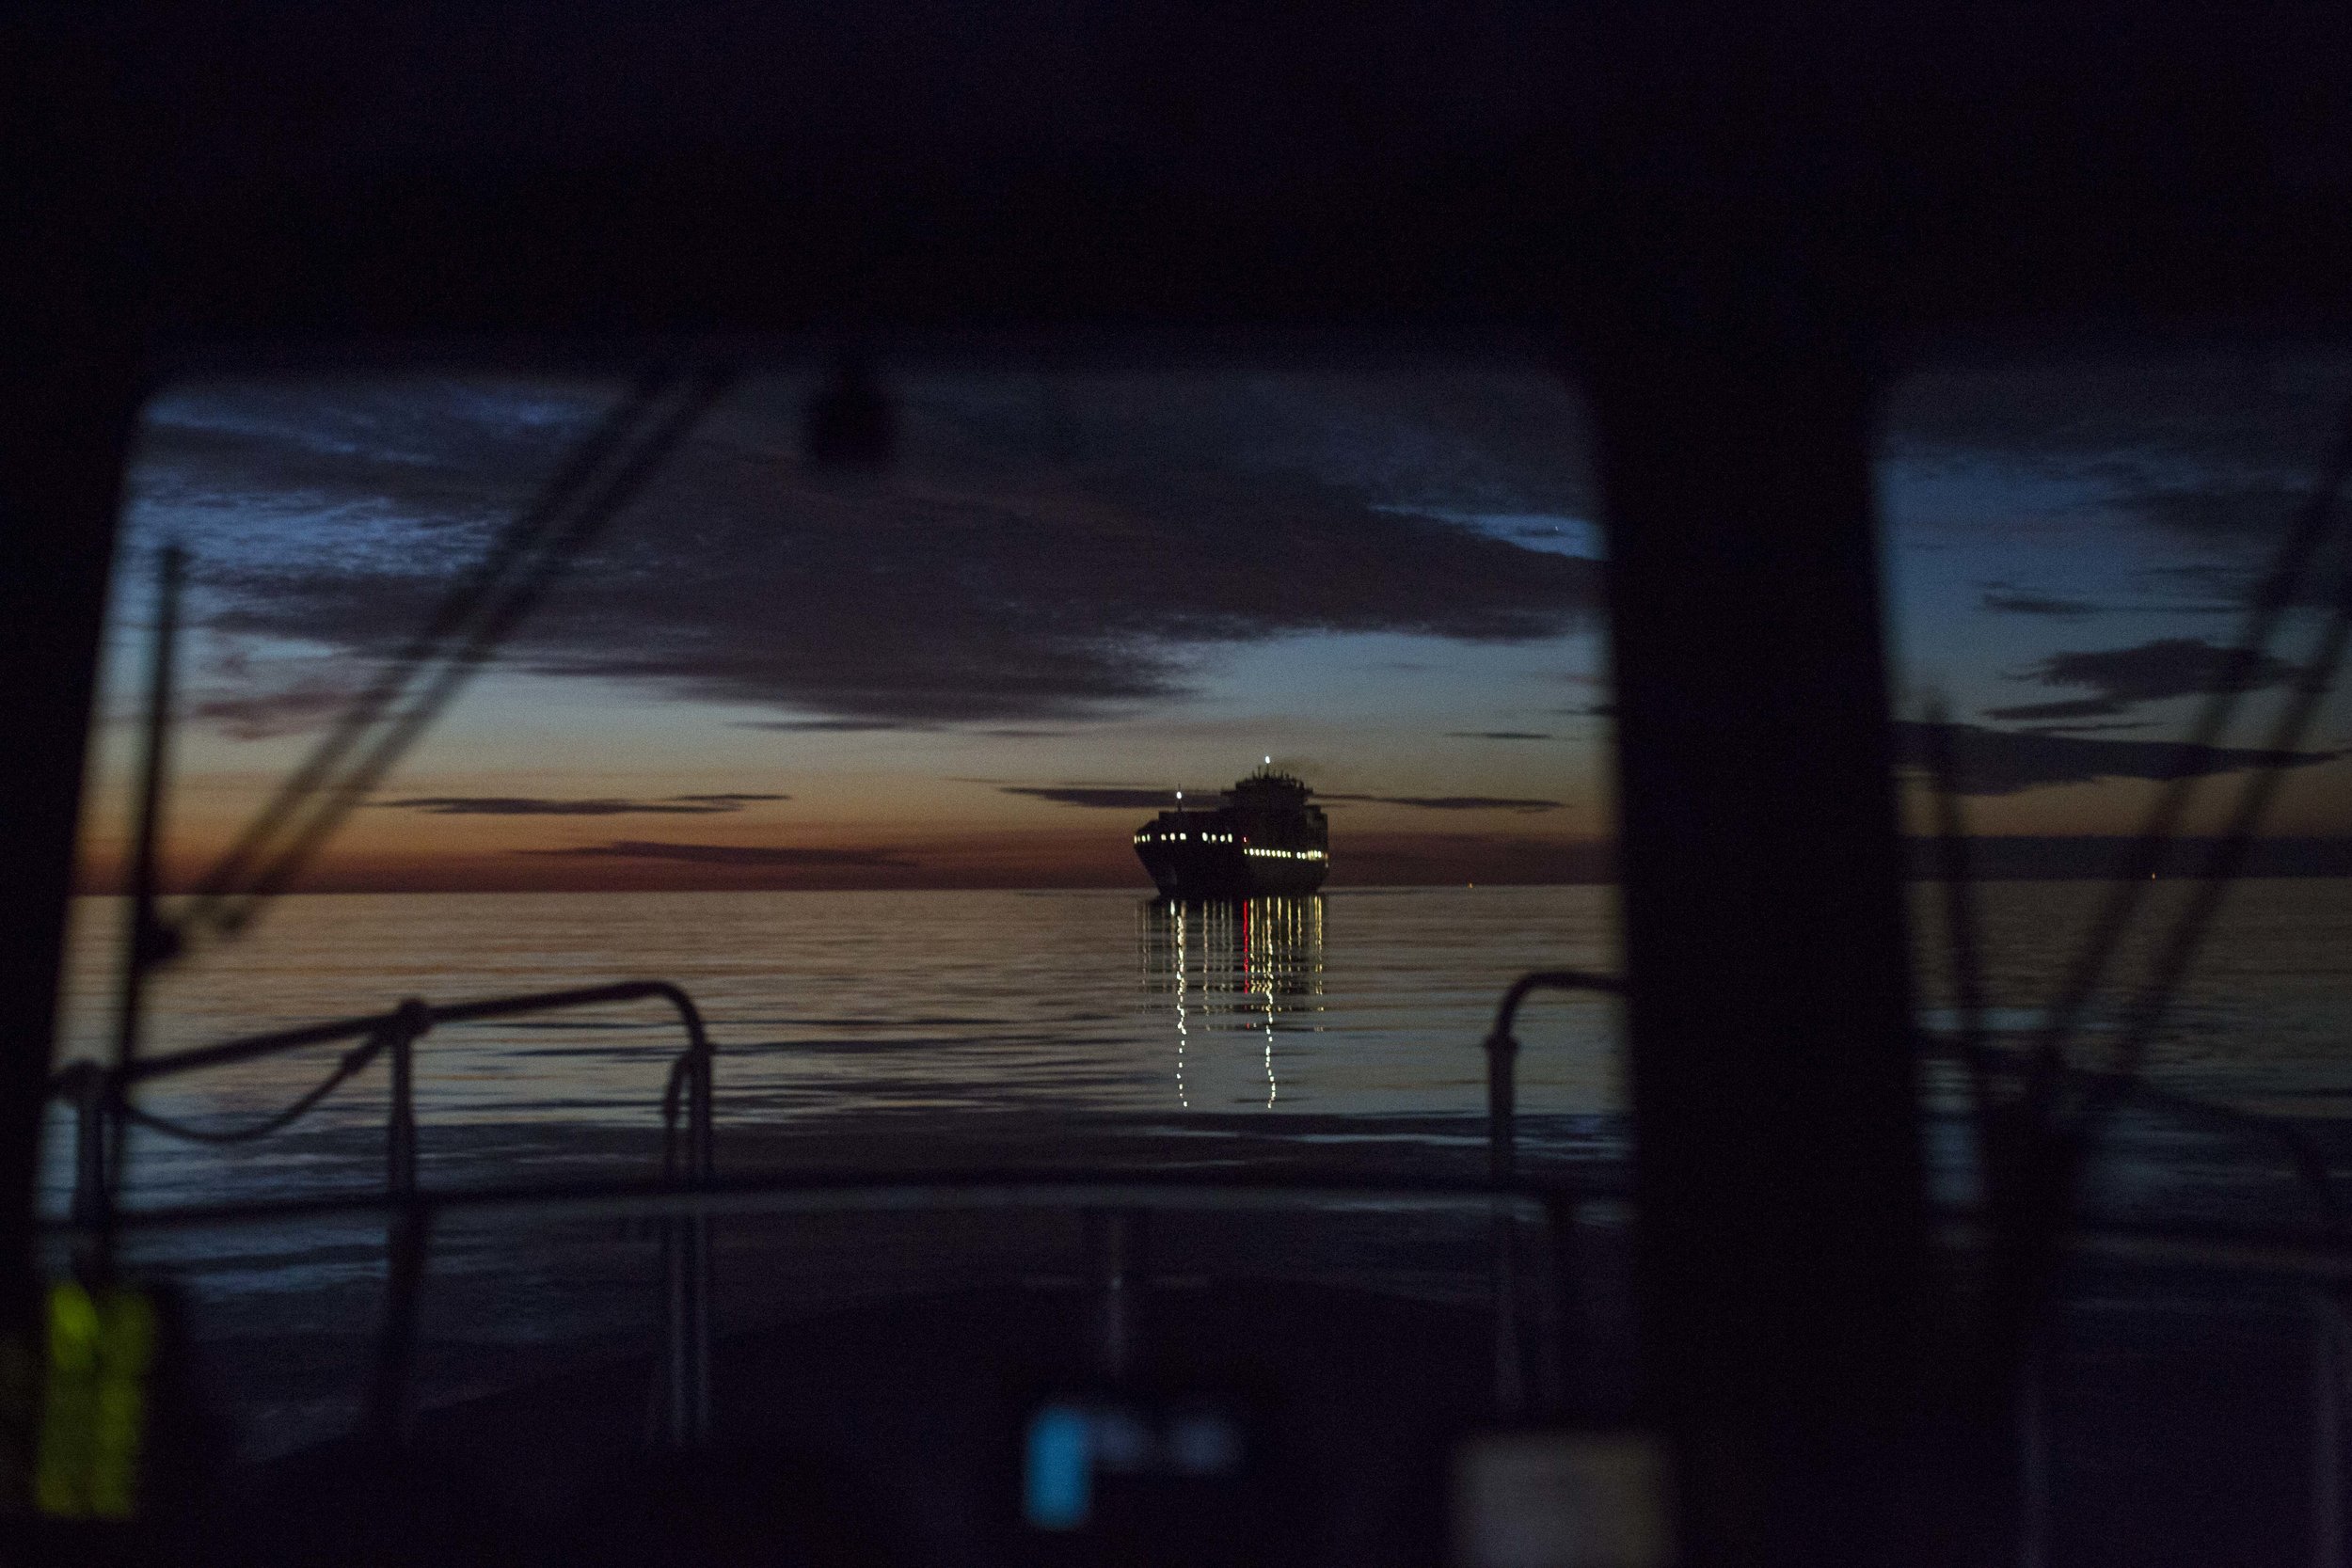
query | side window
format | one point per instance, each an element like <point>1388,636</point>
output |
<point>2078,551</point>
<point>2119,596</point>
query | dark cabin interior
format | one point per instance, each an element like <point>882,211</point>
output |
<point>1731,227</point>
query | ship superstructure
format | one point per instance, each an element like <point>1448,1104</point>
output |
<point>1266,838</point>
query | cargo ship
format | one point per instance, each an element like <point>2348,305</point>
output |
<point>1264,839</point>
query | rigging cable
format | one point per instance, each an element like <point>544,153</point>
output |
<point>352,1062</point>
<point>2228,856</point>
<point>463,604</point>
<point>603,474</point>
<point>2272,600</point>
<point>315,802</point>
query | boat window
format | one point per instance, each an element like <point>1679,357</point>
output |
<point>847,702</point>
<point>2115,585</point>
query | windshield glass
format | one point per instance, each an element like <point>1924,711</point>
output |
<point>864,761</point>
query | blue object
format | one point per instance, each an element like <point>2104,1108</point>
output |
<point>1059,1490</point>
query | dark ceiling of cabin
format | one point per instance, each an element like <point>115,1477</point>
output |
<point>377,171</point>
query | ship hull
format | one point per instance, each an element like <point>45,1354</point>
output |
<point>1265,841</point>
<point>1216,871</point>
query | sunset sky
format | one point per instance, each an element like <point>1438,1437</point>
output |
<point>1079,591</point>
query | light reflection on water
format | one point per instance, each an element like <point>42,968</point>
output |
<point>1233,968</point>
<point>1351,1008</point>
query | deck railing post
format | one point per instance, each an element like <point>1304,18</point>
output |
<point>1559,1337</point>
<point>677,1421</point>
<point>1510,1350</point>
<point>90,1198</point>
<point>686,1243</point>
<point>1502,1050</point>
<point>698,1248</point>
<point>1502,1243</point>
<point>405,1241</point>
<point>686,1322</point>
<point>2033,1459</point>
<point>411,1020</point>
<point>2327,1377</point>
<point>389,1392</point>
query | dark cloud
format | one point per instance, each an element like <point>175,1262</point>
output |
<point>2004,858</point>
<point>532,805</point>
<point>1496,735</point>
<point>2147,673</point>
<point>1451,802</point>
<point>2006,762</point>
<point>825,726</point>
<point>726,854</point>
<point>2090,729</point>
<point>2221,587</point>
<point>2240,415</point>
<point>2075,707</point>
<point>452,452</point>
<point>1045,551</point>
<point>267,714</point>
<point>2222,510</point>
<point>1102,795</point>
<point>2011,600</point>
<point>2217,449</point>
<point>2211,588</point>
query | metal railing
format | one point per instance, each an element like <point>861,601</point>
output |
<point>1528,1351</point>
<point>100,1097</point>
<point>1512,1347</point>
<point>2324,1264</point>
<point>1121,1201</point>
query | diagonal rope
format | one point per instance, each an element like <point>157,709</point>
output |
<point>2046,1152</point>
<point>2229,856</point>
<point>320,807</point>
<point>351,1063</point>
<point>1961,930</point>
<point>462,606</point>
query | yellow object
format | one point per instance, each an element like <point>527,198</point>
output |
<point>95,1402</point>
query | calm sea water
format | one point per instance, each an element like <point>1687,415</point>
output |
<point>1358,1005</point>
<point>911,1030</point>
<point>1363,1006</point>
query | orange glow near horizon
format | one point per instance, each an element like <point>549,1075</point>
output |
<point>512,858</point>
